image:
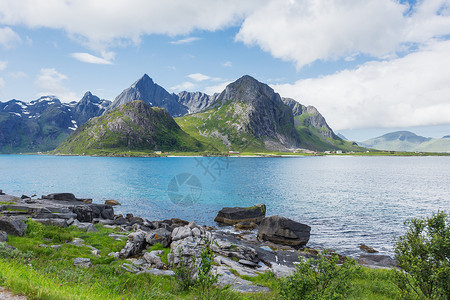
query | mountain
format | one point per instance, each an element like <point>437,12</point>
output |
<point>249,115</point>
<point>314,131</point>
<point>246,115</point>
<point>89,106</point>
<point>195,102</point>
<point>154,95</point>
<point>407,141</point>
<point>43,124</point>
<point>131,126</point>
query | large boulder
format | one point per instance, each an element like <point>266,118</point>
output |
<point>284,231</point>
<point>159,235</point>
<point>60,197</point>
<point>84,213</point>
<point>233,215</point>
<point>12,225</point>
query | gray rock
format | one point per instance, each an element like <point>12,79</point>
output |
<point>192,225</point>
<point>226,278</point>
<point>130,268</point>
<point>12,225</point>
<point>52,222</point>
<point>377,261</point>
<point>117,236</point>
<point>82,262</point>
<point>159,272</point>
<point>154,259</point>
<point>196,232</point>
<point>279,270</point>
<point>229,249</point>
<point>239,268</point>
<point>181,233</point>
<point>159,235</point>
<point>77,242</point>
<point>234,215</point>
<point>56,247</point>
<point>84,213</point>
<point>367,249</point>
<point>108,213</point>
<point>284,231</point>
<point>3,236</point>
<point>60,197</point>
<point>134,245</point>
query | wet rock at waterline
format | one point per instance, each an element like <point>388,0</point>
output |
<point>234,215</point>
<point>284,231</point>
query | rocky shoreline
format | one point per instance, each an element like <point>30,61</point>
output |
<point>259,245</point>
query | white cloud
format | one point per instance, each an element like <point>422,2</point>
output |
<point>185,86</point>
<point>218,88</point>
<point>8,37</point>
<point>3,65</point>
<point>227,64</point>
<point>185,41</point>
<point>106,58</point>
<point>402,92</point>
<point>308,30</point>
<point>17,75</point>
<point>106,22</point>
<point>202,77</point>
<point>2,83</point>
<point>50,82</point>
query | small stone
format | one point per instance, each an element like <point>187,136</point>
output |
<point>112,202</point>
<point>3,236</point>
<point>12,225</point>
<point>114,254</point>
<point>367,249</point>
<point>56,247</point>
<point>245,226</point>
<point>82,262</point>
<point>196,232</point>
<point>181,233</point>
<point>192,225</point>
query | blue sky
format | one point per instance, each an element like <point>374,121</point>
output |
<point>368,66</point>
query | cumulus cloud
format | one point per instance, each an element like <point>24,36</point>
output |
<point>202,77</point>
<point>105,22</point>
<point>3,65</point>
<point>185,41</point>
<point>50,82</point>
<point>8,37</point>
<point>185,86</point>
<point>106,58</point>
<point>402,92</point>
<point>305,31</point>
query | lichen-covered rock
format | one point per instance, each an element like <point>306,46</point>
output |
<point>159,235</point>
<point>284,231</point>
<point>234,215</point>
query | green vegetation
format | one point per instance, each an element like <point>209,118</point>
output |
<point>423,254</point>
<point>320,278</point>
<point>133,127</point>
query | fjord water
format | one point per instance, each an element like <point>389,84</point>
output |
<point>346,200</point>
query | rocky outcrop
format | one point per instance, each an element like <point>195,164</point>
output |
<point>285,231</point>
<point>377,261</point>
<point>234,215</point>
<point>12,225</point>
<point>195,101</point>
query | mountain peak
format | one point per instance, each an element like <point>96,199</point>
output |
<point>145,80</point>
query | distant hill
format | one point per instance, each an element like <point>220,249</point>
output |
<point>342,136</point>
<point>132,126</point>
<point>407,141</point>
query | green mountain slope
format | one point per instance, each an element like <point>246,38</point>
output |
<point>133,126</point>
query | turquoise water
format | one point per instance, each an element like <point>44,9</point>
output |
<point>346,200</point>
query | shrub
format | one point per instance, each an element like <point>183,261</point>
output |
<point>423,255</point>
<point>320,278</point>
